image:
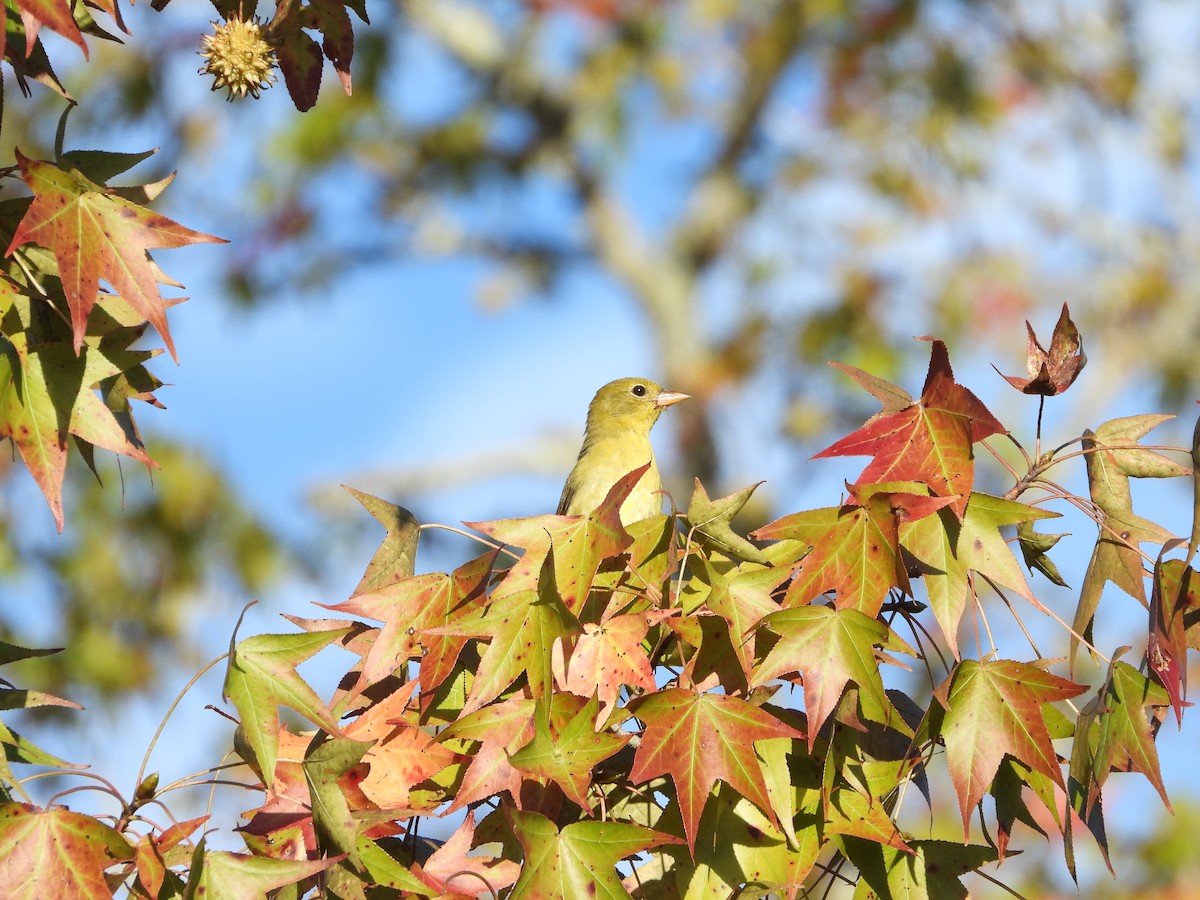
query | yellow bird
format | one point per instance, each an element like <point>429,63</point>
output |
<point>615,442</point>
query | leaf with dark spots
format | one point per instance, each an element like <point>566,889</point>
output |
<point>1052,372</point>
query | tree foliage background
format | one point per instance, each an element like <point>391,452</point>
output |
<point>724,195</point>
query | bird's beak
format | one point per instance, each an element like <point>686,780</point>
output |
<point>668,398</point>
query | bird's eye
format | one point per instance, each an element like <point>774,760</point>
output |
<point>638,390</point>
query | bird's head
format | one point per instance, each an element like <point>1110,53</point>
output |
<point>629,404</point>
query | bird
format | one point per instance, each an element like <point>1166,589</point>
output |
<point>616,441</point>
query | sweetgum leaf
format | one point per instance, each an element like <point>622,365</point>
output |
<point>569,756</point>
<point>46,394</point>
<point>54,14</point>
<point>262,676</point>
<point>96,234</point>
<point>1052,372</point>
<point>739,852</point>
<point>930,871</point>
<point>1119,438</point>
<point>929,441</point>
<point>992,709</point>
<point>855,548</point>
<point>452,867</point>
<point>332,819</point>
<point>55,853</point>
<point>396,557</point>
<point>713,518</point>
<point>521,629</point>
<point>579,860</point>
<point>698,739</point>
<point>1166,649</point>
<point>1116,557</point>
<point>1124,741</point>
<point>948,549</point>
<point>225,874</point>
<point>832,647</point>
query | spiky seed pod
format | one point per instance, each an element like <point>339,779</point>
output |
<point>238,58</point>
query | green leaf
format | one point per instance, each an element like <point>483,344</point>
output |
<point>713,521</point>
<point>832,648</point>
<point>521,629</point>
<point>396,557</point>
<point>579,860</point>
<point>948,549</point>
<point>332,819</point>
<point>1120,438</point>
<point>1124,741</point>
<point>992,709</point>
<point>236,876</point>
<point>739,852</point>
<point>932,871</point>
<point>262,676</point>
<point>569,756</point>
<point>1035,547</point>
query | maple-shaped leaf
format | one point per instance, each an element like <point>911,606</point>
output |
<point>323,767</point>
<point>404,758</point>
<point>579,860</point>
<point>396,557</point>
<point>502,729</point>
<point>47,393</point>
<point>850,814</point>
<point>608,656</point>
<point>713,520</point>
<point>930,870</point>
<point>737,847</point>
<point>384,871</point>
<point>1052,371</point>
<point>262,677</point>
<point>568,756</point>
<point>1166,649</point>
<point>579,544</point>
<point>930,441</point>
<point>712,657</point>
<point>948,549</point>
<point>1116,557</point>
<point>246,877</point>
<point>855,547</point>
<point>995,708</point>
<point>521,630</point>
<point>452,869</point>
<point>150,857</point>
<point>1124,741</point>
<point>742,596</point>
<point>410,606</point>
<point>55,853</point>
<point>698,739</point>
<point>831,648</point>
<point>95,234</point>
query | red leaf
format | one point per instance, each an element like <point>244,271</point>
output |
<point>929,441</point>
<point>700,738</point>
<point>96,234</point>
<point>1052,372</point>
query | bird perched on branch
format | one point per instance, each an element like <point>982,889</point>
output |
<point>615,442</point>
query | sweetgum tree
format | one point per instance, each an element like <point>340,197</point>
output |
<point>669,709</point>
